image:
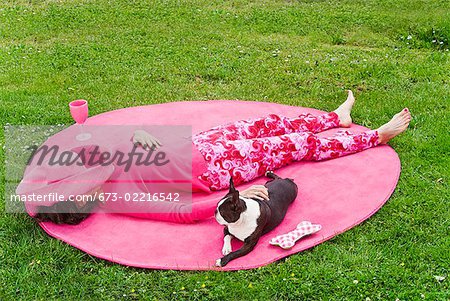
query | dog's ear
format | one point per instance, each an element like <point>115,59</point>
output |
<point>234,193</point>
<point>232,188</point>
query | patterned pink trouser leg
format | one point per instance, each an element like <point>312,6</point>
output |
<point>247,149</point>
<point>271,125</point>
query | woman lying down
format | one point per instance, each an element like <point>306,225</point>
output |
<point>244,149</point>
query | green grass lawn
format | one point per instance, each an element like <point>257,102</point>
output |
<point>125,53</point>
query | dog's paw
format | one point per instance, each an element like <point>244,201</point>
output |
<point>219,262</point>
<point>226,249</point>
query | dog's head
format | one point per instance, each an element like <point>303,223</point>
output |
<point>230,207</point>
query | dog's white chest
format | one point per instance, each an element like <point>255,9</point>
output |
<point>246,224</point>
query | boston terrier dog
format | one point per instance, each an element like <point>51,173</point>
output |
<point>248,219</point>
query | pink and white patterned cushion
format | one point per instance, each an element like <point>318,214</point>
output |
<point>288,240</point>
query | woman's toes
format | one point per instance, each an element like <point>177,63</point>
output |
<point>350,96</point>
<point>397,125</point>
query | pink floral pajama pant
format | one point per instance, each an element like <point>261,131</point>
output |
<point>246,149</point>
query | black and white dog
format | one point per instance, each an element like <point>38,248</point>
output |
<point>248,219</point>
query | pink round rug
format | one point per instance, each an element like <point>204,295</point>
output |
<point>338,194</point>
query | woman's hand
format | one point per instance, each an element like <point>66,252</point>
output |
<point>258,192</point>
<point>146,140</point>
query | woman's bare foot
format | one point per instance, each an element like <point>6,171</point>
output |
<point>397,125</point>
<point>344,110</point>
